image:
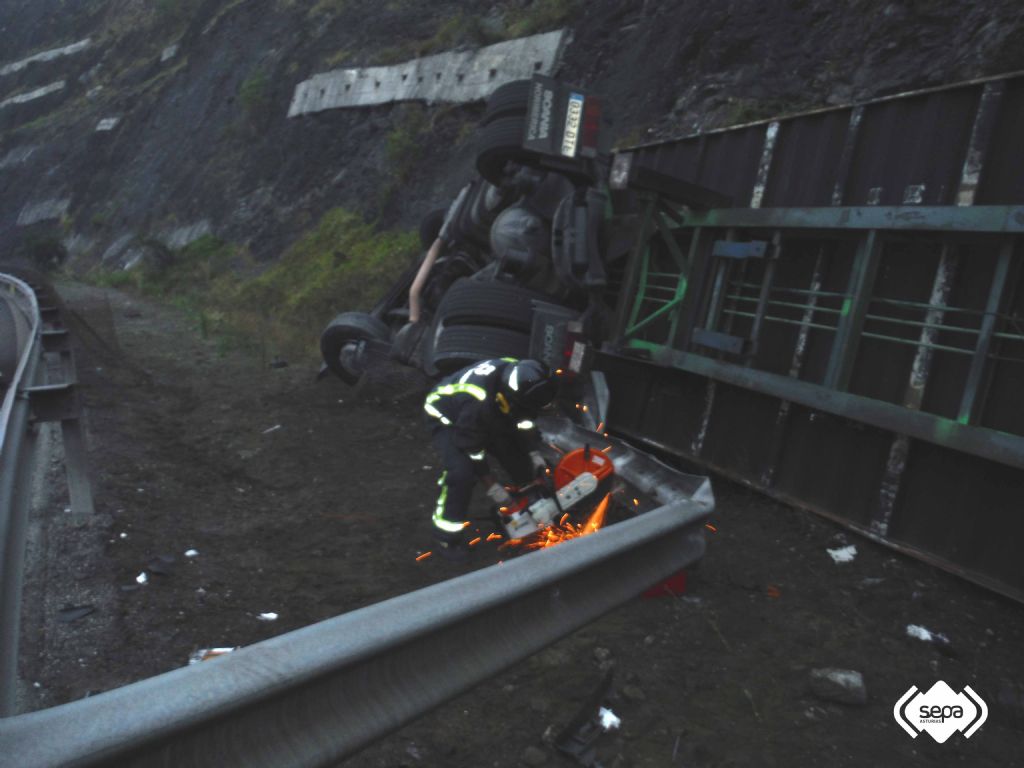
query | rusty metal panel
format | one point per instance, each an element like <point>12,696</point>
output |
<point>1002,181</point>
<point>911,150</point>
<point>804,168</point>
<point>963,509</point>
<point>908,149</point>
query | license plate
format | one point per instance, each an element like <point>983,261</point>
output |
<point>573,117</point>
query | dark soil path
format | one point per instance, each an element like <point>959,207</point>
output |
<point>307,500</point>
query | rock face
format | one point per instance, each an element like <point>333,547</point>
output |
<point>201,91</point>
<point>844,686</point>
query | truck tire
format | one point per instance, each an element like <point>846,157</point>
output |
<point>342,344</point>
<point>459,345</point>
<point>508,100</point>
<point>493,304</point>
<point>498,143</point>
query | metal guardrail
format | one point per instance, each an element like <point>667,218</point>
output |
<point>15,469</point>
<point>316,695</point>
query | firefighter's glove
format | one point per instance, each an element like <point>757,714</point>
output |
<point>499,495</point>
<point>540,465</point>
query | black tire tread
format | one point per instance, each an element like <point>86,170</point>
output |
<point>508,100</point>
<point>495,304</point>
<point>497,143</point>
<point>461,345</point>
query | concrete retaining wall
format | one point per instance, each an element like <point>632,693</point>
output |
<point>457,76</point>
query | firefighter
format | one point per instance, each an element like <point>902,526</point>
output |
<point>486,409</point>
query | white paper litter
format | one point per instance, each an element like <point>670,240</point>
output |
<point>915,630</point>
<point>192,553</point>
<point>204,654</point>
<point>843,554</point>
<point>142,578</point>
<point>122,535</point>
<point>267,617</point>
<point>272,429</point>
<point>609,720</point>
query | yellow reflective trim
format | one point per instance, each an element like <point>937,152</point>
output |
<point>460,388</point>
<point>439,521</point>
<point>503,405</point>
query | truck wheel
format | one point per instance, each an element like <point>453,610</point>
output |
<point>459,345</point>
<point>493,304</point>
<point>498,143</point>
<point>343,343</point>
<point>508,100</point>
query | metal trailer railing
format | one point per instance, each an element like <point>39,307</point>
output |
<point>856,348</point>
<point>313,696</point>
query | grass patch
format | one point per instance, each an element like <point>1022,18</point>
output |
<point>254,92</point>
<point>460,30</point>
<point>405,143</point>
<point>342,263</point>
<point>541,16</point>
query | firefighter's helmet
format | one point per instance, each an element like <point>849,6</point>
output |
<point>528,386</point>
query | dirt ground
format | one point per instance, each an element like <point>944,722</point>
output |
<point>306,499</point>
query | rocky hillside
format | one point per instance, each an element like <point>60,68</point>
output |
<point>164,120</point>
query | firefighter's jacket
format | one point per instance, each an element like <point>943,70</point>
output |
<point>468,403</point>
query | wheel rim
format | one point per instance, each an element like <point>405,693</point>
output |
<point>352,357</point>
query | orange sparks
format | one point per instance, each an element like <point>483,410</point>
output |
<point>710,527</point>
<point>606,450</point>
<point>475,541</point>
<point>424,556</point>
<point>494,536</point>
<point>557,449</point>
<point>636,502</point>
<point>600,428</point>
<point>773,591</point>
<point>566,529</point>
<point>585,408</point>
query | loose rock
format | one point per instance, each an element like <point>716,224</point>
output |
<point>844,686</point>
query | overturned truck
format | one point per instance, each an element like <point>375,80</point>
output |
<point>827,307</point>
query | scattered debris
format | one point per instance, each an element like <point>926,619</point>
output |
<point>205,654</point>
<point>871,581</point>
<point>772,591</point>
<point>37,685</point>
<point>602,654</point>
<point>191,553</point>
<point>272,429</point>
<point>74,613</point>
<point>267,616</point>
<point>122,535</point>
<point>578,739</point>
<point>935,638</point>
<point>413,751</point>
<point>843,554</point>
<point>609,720</point>
<point>844,686</point>
<point>142,578</point>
